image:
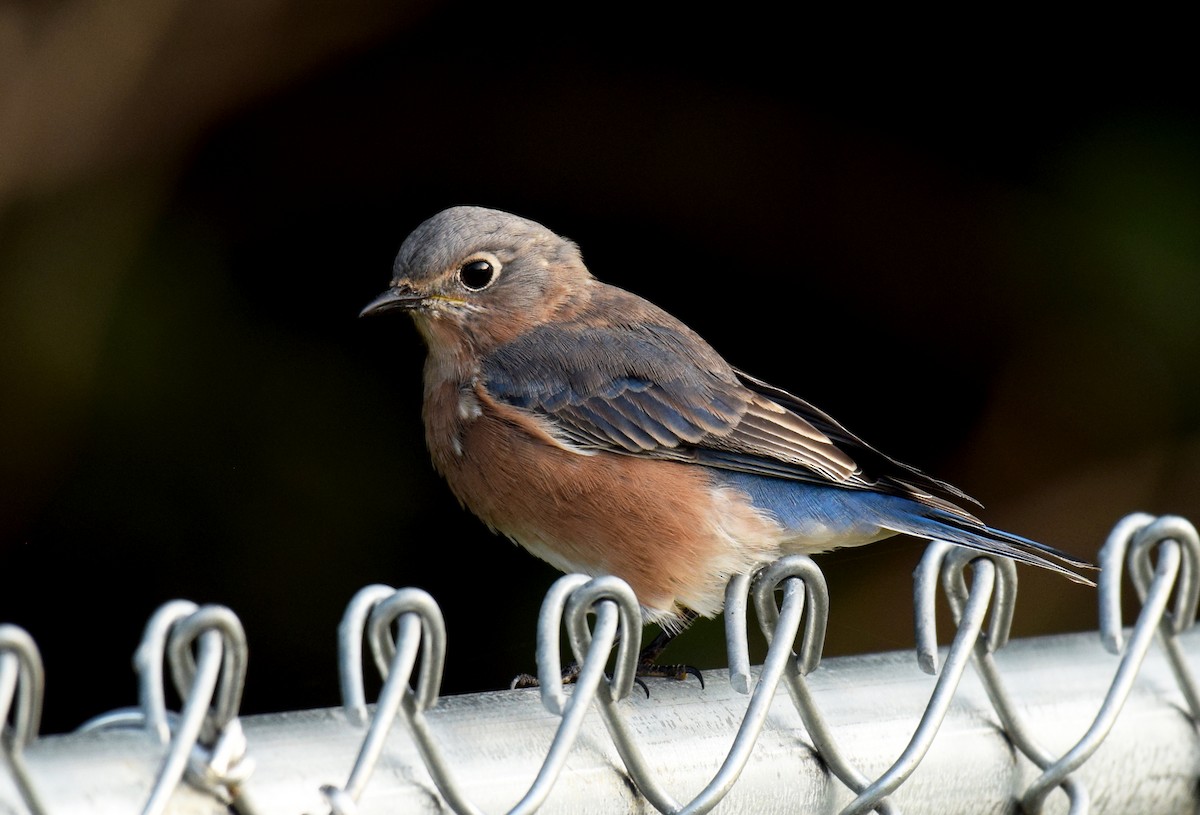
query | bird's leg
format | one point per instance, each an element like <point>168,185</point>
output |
<point>647,660</point>
<point>647,666</point>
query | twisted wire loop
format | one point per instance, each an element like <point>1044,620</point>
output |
<point>787,572</point>
<point>151,714</point>
<point>1149,533</point>
<point>1017,729</point>
<point>22,681</point>
<point>987,573</point>
<point>419,622</point>
<point>207,745</point>
<point>800,578</point>
<point>1176,571</point>
<point>350,640</point>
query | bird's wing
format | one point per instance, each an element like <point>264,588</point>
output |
<point>657,390</point>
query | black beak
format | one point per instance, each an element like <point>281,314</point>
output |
<point>397,297</point>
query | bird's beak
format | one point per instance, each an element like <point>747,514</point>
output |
<point>397,297</point>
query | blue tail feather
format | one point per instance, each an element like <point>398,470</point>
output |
<point>848,516</point>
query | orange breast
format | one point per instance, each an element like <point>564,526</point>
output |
<point>653,523</point>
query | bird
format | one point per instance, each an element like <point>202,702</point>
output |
<point>604,436</point>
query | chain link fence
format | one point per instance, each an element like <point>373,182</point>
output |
<point>1074,723</point>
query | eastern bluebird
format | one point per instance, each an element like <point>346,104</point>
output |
<point>606,437</point>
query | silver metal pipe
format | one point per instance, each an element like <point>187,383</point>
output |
<point>497,742</point>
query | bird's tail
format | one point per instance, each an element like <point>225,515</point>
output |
<point>937,524</point>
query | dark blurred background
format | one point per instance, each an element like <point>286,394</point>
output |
<point>983,256</point>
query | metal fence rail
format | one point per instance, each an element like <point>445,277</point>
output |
<point>1072,723</point>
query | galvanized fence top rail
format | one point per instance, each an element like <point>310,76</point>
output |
<point>1075,723</point>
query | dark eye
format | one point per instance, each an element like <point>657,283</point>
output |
<point>476,275</point>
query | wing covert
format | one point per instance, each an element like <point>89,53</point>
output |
<point>640,390</point>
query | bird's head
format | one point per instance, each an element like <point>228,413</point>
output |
<point>482,277</point>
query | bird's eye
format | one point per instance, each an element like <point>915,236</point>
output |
<point>477,274</point>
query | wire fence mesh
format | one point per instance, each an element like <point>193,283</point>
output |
<point>1074,723</point>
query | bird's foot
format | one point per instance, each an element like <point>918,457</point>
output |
<point>652,670</point>
<point>647,669</point>
<point>569,675</point>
